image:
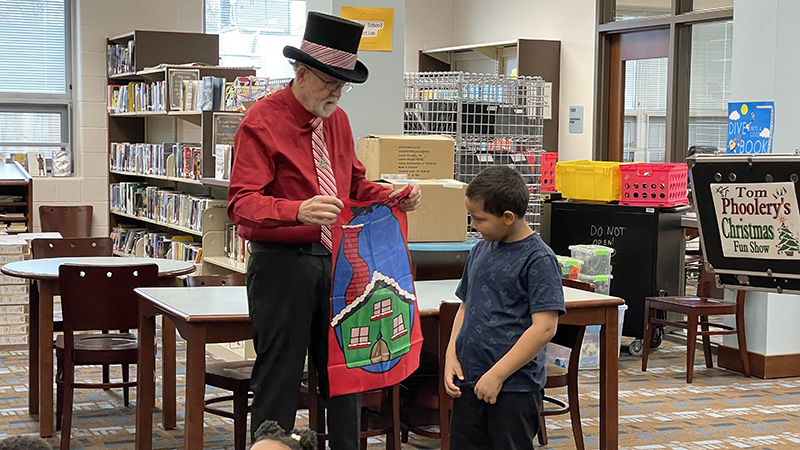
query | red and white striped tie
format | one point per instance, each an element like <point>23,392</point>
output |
<point>327,182</point>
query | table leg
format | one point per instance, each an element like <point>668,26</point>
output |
<point>46,292</point>
<point>609,380</point>
<point>168,372</point>
<point>145,378</point>
<point>33,350</point>
<point>195,387</point>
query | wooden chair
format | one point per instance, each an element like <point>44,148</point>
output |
<point>65,248</point>
<point>697,310</point>
<point>380,412</point>
<point>231,376</point>
<point>569,336</point>
<point>70,221</point>
<point>85,293</point>
<point>425,402</point>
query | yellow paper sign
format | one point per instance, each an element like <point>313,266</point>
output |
<point>377,23</point>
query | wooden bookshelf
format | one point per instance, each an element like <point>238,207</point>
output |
<point>16,181</point>
<point>160,56</point>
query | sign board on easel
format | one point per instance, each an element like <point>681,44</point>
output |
<point>749,218</point>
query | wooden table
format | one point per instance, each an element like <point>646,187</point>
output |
<point>583,308</point>
<point>203,315</point>
<point>40,357</point>
<point>220,314</point>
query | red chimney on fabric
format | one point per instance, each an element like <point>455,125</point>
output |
<point>358,283</point>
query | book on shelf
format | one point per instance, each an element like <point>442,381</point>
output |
<point>21,158</point>
<point>37,164</point>
<point>169,207</point>
<point>137,97</point>
<point>62,163</point>
<point>222,161</point>
<point>120,58</point>
<point>155,244</point>
<point>234,245</point>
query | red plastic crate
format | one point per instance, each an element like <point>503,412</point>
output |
<point>653,184</point>
<point>549,172</point>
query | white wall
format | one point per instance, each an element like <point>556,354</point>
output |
<point>94,21</point>
<point>570,21</point>
<point>429,24</point>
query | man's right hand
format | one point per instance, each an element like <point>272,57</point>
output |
<point>452,368</point>
<point>319,210</point>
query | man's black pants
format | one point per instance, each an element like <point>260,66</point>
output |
<point>510,424</point>
<point>288,291</point>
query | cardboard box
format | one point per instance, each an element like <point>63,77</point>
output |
<point>407,157</point>
<point>442,216</point>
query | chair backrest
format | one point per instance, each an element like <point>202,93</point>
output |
<point>70,221</point>
<point>69,247</point>
<point>232,279</point>
<point>102,297</point>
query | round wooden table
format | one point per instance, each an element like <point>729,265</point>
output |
<point>40,335</point>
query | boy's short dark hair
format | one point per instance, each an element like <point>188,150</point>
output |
<point>501,189</point>
<point>24,443</point>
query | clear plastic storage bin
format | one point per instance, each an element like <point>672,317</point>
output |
<point>602,283</point>
<point>590,349</point>
<point>570,267</point>
<point>596,258</point>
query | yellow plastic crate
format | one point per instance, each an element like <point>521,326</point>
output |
<point>589,180</point>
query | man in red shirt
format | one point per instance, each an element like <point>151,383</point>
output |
<point>293,156</point>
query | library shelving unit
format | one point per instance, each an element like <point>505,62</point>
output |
<point>170,57</point>
<point>16,198</point>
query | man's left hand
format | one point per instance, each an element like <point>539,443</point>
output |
<point>413,200</point>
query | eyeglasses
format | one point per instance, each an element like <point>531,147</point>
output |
<point>333,85</point>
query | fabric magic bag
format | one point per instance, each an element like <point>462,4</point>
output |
<point>375,338</point>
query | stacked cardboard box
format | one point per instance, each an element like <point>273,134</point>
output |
<point>427,161</point>
<point>13,295</point>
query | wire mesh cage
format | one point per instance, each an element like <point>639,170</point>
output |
<point>493,119</point>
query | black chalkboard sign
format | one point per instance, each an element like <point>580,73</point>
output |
<point>225,125</point>
<point>749,219</point>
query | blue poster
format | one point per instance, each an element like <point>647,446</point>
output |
<point>750,127</point>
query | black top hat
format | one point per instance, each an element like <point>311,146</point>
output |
<point>330,45</point>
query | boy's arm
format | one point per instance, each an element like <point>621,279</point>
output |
<point>452,367</point>
<point>530,344</point>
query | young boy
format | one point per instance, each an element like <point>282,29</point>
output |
<point>512,298</point>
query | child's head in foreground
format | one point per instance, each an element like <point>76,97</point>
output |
<point>24,443</point>
<point>270,436</point>
<point>497,199</point>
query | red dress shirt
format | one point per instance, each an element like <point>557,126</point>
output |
<point>273,169</point>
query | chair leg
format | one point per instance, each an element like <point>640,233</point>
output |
<point>444,425</point>
<point>365,427</point>
<point>59,393</point>
<point>106,376</point>
<point>706,342</point>
<point>126,389</point>
<point>240,417</point>
<point>575,412</point>
<point>393,436</point>
<point>740,334</point>
<point>66,418</point>
<point>542,431</point>
<point>404,436</point>
<point>691,343</point>
<point>648,332</point>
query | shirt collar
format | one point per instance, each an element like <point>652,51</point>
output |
<point>301,115</point>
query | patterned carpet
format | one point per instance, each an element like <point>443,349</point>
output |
<point>658,410</point>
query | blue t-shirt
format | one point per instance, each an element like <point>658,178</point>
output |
<point>502,285</point>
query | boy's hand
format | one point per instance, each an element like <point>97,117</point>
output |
<point>488,387</point>
<point>452,368</point>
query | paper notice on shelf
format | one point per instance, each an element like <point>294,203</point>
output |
<point>548,100</point>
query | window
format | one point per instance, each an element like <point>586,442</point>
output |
<point>359,337</point>
<point>35,92</point>
<point>252,33</point>
<point>398,327</point>
<point>382,309</point>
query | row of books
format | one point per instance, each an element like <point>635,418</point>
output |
<point>136,97</point>
<point>120,58</point>
<point>234,244</point>
<point>156,245</point>
<point>206,94</point>
<point>172,208</point>
<point>223,160</point>
<point>151,159</point>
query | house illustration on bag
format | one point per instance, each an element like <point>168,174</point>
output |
<point>377,312</point>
